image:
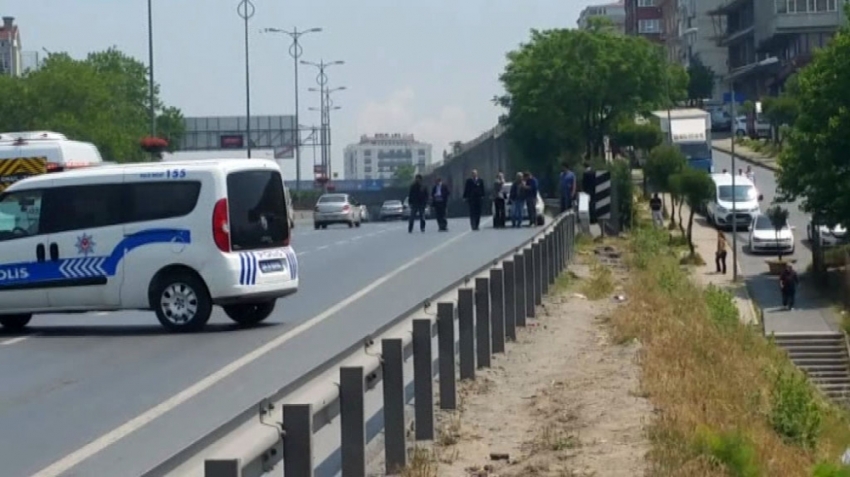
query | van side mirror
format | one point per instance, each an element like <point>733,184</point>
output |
<point>761,197</point>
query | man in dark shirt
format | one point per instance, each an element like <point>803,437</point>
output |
<point>417,200</point>
<point>439,198</point>
<point>568,188</point>
<point>656,206</point>
<point>473,193</point>
<point>531,190</point>
<point>788,281</point>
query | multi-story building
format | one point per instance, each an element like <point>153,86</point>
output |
<point>10,48</point>
<point>615,12</point>
<point>690,31</point>
<point>379,156</point>
<point>644,18</point>
<point>768,41</point>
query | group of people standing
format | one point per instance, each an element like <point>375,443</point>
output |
<point>520,194</point>
<point>418,197</point>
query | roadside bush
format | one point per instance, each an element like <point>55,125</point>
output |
<point>829,469</point>
<point>721,410</point>
<point>732,450</point>
<point>795,414</point>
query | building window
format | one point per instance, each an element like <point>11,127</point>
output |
<point>806,6</point>
<point>367,160</point>
<point>367,152</point>
<point>646,3</point>
<point>422,152</point>
<point>649,26</point>
<point>367,169</point>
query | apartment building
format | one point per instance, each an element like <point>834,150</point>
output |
<point>379,156</point>
<point>10,48</point>
<point>644,18</point>
<point>615,12</point>
<point>768,41</point>
<point>691,32</point>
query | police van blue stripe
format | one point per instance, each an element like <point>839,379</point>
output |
<point>243,273</point>
<point>86,267</point>
<point>293,264</point>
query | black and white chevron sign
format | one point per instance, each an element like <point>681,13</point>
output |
<point>602,195</point>
<point>83,267</point>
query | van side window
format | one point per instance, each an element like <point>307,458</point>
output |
<point>161,200</point>
<point>83,207</point>
<point>20,214</point>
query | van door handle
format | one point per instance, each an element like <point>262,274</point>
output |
<point>54,252</point>
<point>39,252</point>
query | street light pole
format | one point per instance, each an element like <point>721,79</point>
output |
<point>734,196</point>
<point>152,106</point>
<point>295,52</point>
<point>322,80</point>
<point>246,10</point>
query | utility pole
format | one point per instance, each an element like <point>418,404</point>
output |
<point>246,10</point>
<point>322,80</point>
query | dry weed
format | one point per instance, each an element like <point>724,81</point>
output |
<point>703,376</point>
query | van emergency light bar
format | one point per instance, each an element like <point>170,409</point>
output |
<point>19,137</point>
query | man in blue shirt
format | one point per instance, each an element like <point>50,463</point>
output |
<point>532,188</point>
<point>568,188</point>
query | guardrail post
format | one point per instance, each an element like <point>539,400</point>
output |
<point>553,258</point>
<point>446,356</point>
<point>298,440</point>
<point>529,283</point>
<point>544,265</point>
<point>222,468</point>
<point>482,321</point>
<point>571,238</point>
<point>497,308</point>
<point>423,380</point>
<point>537,256</point>
<point>510,299</point>
<point>466,330</point>
<point>352,421</point>
<point>519,289</point>
<point>562,245</point>
<point>392,370</point>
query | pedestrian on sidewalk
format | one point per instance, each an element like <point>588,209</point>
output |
<point>788,281</point>
<point>751,175</point>
<point>720,255</point>
<point>655,205</point>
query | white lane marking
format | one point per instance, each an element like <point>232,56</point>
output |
<point>73,459</point>
<point>322,247</point>
<point>17,340</point>
<point>341,242</point>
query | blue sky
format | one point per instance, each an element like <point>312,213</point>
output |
<point>429,67</point>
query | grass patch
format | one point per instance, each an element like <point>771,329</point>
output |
<point>729,402</point>
<point>763,147</point>
<point>694,259</point>
<point>600,284</point>
<point>423,463</point>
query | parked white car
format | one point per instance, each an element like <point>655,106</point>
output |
<point>765,238</point>
<point>762,128</point>
<point>828,236</point>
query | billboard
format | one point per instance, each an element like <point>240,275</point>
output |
<point>230,132</point>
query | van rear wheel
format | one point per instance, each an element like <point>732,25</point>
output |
<point>181,302</point>
<point>15,323</point>
<point>249,314</point>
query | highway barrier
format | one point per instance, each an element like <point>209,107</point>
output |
<point>357,405</point>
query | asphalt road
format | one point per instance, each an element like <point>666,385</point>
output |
<point>812,314</point>
<point>95,391</point>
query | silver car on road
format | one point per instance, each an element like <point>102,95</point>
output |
<point>336,209</point>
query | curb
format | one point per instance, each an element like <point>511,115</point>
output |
<point>746,159</point>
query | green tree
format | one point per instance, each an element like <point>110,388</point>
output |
<point>663,163</point>
<point>404,174</point>
<point>700,81</point>
<point>697,189</point>
<point>813,162</point>
<point>565,89</point>
<point>103,99</point>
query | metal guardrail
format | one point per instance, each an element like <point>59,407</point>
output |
<point>470,324</point>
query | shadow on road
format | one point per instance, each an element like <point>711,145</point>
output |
<point>125,330</point>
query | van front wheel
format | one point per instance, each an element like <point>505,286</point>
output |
<point>249,314</point>
<point>181,302</point>
<point>14,323</point>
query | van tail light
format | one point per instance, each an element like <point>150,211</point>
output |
<point>346,208</point>
<point>221,226</point>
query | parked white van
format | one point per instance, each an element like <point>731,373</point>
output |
<point>746,201</point>
<point>175,238</point>
<point>25,154</point>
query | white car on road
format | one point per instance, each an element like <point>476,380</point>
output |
<point>765,238</point>
<point>738,203</point>
<point>828,236</point>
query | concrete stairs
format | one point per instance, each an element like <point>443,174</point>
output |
<point>824,358</point>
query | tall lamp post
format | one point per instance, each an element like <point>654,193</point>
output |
<point>151,106</point>
<point>246,10</point>
<point>328,107</point>
<point>295,52</point>
<point>322,80</point>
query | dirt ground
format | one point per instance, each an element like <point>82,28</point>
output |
<point>563,401</point>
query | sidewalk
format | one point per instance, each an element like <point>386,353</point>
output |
<point>705,244</point>
<point>745,154</point>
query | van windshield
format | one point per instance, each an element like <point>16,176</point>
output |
<point>742,193</point>
<point>258,215</point>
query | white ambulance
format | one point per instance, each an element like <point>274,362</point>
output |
<point>25,154</point>
<point>176,238</point>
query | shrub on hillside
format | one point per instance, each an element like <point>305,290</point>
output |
<point>721,306</point>
<point>732,450</point>
<point>794,413</point>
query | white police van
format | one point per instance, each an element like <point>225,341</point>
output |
<point>176,238</point>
